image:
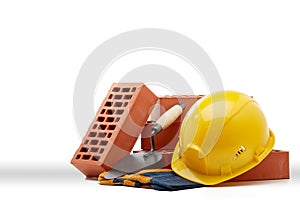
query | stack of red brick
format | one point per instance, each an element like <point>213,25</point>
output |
<point>123,116</point>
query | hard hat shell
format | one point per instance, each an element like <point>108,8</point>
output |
<point>222,136</point>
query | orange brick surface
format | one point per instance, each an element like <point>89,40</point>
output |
<point>166,139</point>
<point>115,128</point>
<point>274,166</point>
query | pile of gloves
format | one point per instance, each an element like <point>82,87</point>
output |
<point>158,179</point>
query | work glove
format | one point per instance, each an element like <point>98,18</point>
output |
<point>158,179</point>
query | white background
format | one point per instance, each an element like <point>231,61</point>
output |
<point>255,46</point>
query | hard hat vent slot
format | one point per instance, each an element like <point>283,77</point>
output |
<point>239,152</point>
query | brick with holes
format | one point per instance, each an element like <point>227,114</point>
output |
<point>115,128</point>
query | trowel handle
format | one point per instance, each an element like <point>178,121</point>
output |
<point>168,118</point>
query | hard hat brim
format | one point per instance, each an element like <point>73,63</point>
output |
<point>179,167</point>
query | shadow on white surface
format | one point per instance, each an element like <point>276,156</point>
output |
<point>42,174</point>
<point>47,182</point>
<point>59,174</point>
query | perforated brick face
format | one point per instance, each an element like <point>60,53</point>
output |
<point>115,128</point>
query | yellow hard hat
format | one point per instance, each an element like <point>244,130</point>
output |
<point>222,136</point>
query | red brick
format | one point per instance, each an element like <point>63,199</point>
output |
<point>274,166</point>
<point>166,139</point>
<point>115,128</point>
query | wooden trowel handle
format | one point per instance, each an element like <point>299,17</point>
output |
<point>167,118</point>
<point>170,116</point>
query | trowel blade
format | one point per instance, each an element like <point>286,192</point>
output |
<point>132,163</point>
